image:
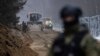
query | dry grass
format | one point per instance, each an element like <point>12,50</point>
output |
<point>13,46</point>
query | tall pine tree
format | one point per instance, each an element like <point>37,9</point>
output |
<point>8,11</point>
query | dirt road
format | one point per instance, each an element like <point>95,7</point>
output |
<point>42,41</point>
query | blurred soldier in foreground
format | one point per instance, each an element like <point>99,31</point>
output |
<point>76,40</point>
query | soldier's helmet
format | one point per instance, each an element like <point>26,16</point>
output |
<point>70,11</point>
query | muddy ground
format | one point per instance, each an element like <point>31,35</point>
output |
<point>14,42</point>
<point>42,41</point>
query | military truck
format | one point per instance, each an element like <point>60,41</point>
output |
<point>47,24</point>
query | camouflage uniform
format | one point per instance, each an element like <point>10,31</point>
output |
<point>88,44</point>
<point>76,39</point>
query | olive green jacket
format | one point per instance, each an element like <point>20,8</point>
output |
<point>88,44</point>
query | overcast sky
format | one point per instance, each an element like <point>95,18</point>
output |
<point>38,6</point>
<point>50,8</point>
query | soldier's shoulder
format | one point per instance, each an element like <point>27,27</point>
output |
<point>88,37</point>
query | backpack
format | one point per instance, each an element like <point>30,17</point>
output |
<point>72,49</point>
